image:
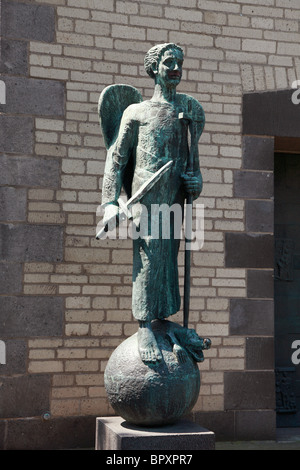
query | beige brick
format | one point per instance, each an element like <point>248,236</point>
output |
<point>44,48</point>
<point>95,406</point>
<point>50,73</point>
<point>41,60</point>
<point>81,365</point>
<point>70,407</point>
<point>73,12</point>
<point>51,150</point>
<point>237,32</point>
<point>262,11</point>
<point>212,329</point>
<point>38,268</point>
<point>41,354</point>
<point>213,17</point>
<point>41,367</point>
<point>127,8</point>
<point>106,329</point>
<point>69,290</point>
<point>51,137</point>
<point>73,166</point>
<point>61,380</point>
<point>78,302</point>
<point>84,315</point>
<point>47,218</point>
<point>77,329</point>
<point>41,194</point>
<point>105,302</point>
<point>227,364</point>
<point>105,5</point>
<point>39,289</point>
<point>217,6</point>
<point>79,182</point>
<point>69,392</point>
<point>254,45</point>
<point>44,343</point>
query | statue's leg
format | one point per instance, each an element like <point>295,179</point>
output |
<point>148,348</point>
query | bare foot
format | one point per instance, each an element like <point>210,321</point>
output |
<point>148,348</point>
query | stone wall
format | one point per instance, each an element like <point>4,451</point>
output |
<point>65,297</point>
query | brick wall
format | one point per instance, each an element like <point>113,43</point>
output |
<point>66,298</point>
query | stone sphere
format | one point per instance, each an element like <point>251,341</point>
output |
<point>151,394</point>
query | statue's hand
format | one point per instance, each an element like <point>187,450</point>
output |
<point>192,184</point>
<point>110,213</point>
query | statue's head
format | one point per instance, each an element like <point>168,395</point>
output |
<point>164,62</point>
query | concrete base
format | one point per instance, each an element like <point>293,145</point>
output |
<point>113,433</point>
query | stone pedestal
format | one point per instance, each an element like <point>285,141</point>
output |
<point>113,433</point>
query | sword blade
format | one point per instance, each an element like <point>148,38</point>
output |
<point>125,209</point>
<point>148,185</point>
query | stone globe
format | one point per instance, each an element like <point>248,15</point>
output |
<point>153,394</point>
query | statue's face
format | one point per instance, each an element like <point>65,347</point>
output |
<point>169,69</point>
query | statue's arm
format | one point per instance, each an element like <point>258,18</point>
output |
<point>117,158</point>
<point>193,183</point>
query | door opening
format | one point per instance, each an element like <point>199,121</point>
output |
<point>287,288</point>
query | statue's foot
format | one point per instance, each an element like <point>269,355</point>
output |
<point>148,348</point>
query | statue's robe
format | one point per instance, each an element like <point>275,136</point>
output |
<point>150,135</point>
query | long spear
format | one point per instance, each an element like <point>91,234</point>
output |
<point>188,215</point>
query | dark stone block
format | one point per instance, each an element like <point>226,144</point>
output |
<point>14,55</point>
<point>271,113</point>
<point>251,317</point>
<point>249,390</point>
<point>53,434</point>
<point>113,433</point>
<point>260,284</point>
<point>29,171</point>
<point>34,96</point>
<point>259,216</point>
<point>28,21</point>
<point>13,203</point>
<point>253,184</point>
<point>26,395</point>
<point>249,250</point>
<point>28,316</point>
<point>2,434</point>
<point>220,422</point>
<point>16,134</point>
<point>10,278</point>
<point>16,357</point>
<point>25,243</point>
<point>258,153</point>
<point>256,425</point>
<point>259,353</point>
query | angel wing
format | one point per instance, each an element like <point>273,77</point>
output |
<point>113,101</point>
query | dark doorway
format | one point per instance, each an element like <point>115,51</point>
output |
<point>287,288</point>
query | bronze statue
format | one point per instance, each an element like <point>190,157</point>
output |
<point>150,134</point>
<point>152,152</point>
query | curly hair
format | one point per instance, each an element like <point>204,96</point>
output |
<point>154,54</point>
